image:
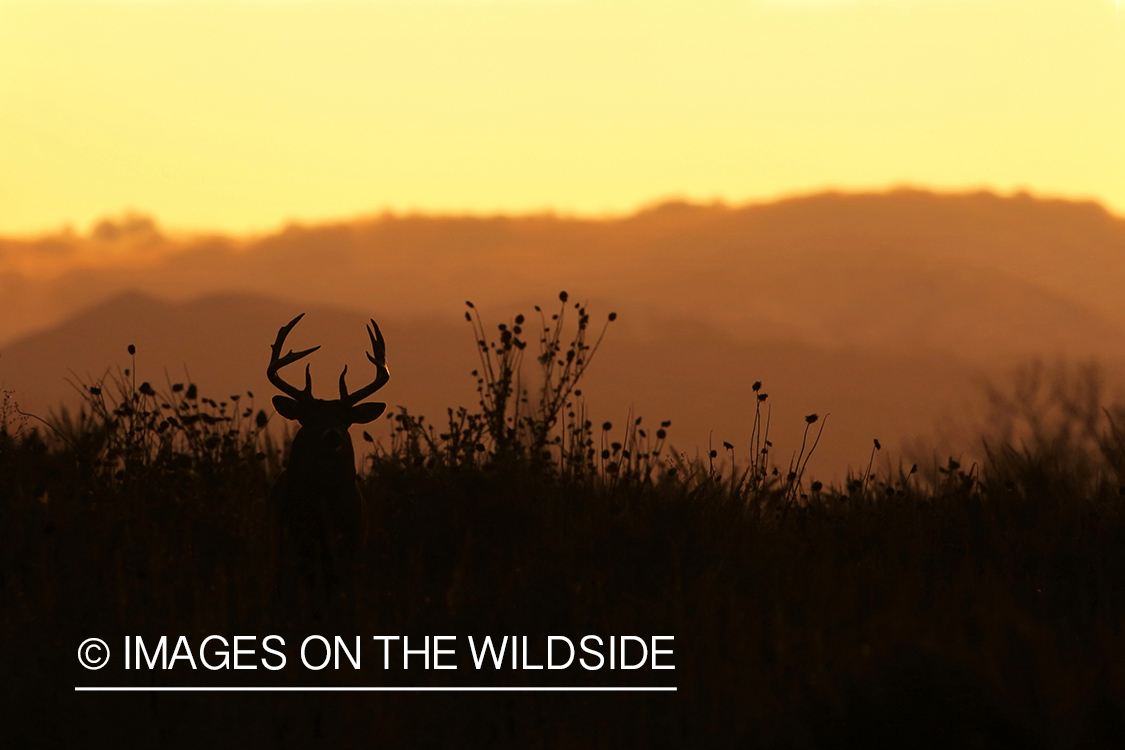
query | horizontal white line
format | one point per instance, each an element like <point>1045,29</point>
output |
<point>407,689</point>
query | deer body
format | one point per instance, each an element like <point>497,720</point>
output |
<point>318,509</point>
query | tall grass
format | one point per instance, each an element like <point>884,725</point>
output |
<point>978,606</point>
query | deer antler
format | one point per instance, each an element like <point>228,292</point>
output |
<point>378,358</point>
<point>277,362</point>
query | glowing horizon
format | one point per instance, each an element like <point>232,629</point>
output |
<point>242,117</point>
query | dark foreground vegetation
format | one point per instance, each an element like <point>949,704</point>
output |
<point>959,607</point>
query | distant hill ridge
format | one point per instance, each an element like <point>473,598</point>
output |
<point>879,309</point>
<point>908,270</point>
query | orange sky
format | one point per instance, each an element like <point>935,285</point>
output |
<point>242,115</point>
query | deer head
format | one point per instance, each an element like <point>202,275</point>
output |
<point>327,421</point>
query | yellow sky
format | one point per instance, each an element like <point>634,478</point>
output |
<point>244,114</point>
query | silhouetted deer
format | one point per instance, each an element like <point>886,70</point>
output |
<point>318,506</point>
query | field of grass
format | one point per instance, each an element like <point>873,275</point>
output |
<point>948,607</point>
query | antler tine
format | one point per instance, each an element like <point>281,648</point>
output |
<point>277,361</point>
<point>378,357</point>
<point>343,385</point>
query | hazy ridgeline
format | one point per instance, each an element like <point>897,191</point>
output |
<point>977,605</point>
<point>880,309</point>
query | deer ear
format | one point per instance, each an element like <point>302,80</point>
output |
<point>287,407</point>
<point>364,413</point>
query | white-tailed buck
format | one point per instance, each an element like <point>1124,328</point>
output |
<point>318,506</point>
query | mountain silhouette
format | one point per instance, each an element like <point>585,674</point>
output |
<point>976,275</point>
<point>881,309</point>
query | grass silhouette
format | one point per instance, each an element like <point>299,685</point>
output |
<point>977,607</point>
